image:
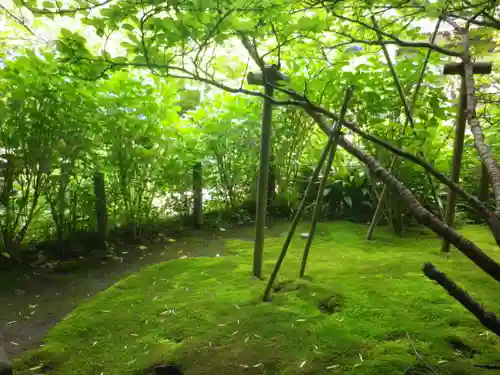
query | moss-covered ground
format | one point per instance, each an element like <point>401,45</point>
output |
<point>379,314</point>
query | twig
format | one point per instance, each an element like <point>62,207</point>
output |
<point>419,357</point>
<point>394,39</point>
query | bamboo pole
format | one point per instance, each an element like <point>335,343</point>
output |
<point>333,137</point>
<point>319,197</point>
<point>409,121</point>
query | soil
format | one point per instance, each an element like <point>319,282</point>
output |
<point>33,301</point>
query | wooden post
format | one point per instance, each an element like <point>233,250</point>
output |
<point>100,206</point>
<point>197,196</point>
<point>319,197</point>
<point>268,78</point>
<point>271,190</point>
<point>458,147</point>
<point>271,186</point>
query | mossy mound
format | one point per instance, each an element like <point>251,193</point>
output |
<point>206,314</point>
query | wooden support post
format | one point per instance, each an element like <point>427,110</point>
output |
<point>319,197</point>
<point>271,190</point>
<point>100,206</point>
<point>269,77</point>
<point>458,147</point>
<point>271,186</point>
<point>333,139</point>
<point>197,196</point>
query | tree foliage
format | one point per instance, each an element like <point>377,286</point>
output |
<point>134,91</point>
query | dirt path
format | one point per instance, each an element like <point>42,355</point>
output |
<point>33,302</point>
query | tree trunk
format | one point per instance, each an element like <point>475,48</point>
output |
<point>100,207</point>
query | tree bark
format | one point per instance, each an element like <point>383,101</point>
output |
<point>484,186</point>
<point>100,207</point>
<point>487,319</point>
<point>482,148</point>
<point>468,248</point>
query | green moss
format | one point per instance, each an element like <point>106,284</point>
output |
<point>206,314</point>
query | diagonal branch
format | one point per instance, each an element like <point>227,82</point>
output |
<point>252,50</point>
<point>408,108</point>
<point>393,39</point>
<point>311,108</point>
<point>468,248</point>
<point>487,319</point>
<point>66,11</point>
<point>19,20</point>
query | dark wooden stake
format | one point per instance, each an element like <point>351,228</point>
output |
<point>319,197</point>
<point>487,319</point>
<point>333,138</point>
<point>271,189</point>
<point>458,147</point>
<point>197,196</point>
<point>268,78</point>
<point>100,206</point>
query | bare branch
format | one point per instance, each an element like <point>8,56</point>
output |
<point>487,319</point>
<point>67,11</point>
<point>393,39</point>
<point>19,20</point>
<point>252,50</point>
<point>311,108</point>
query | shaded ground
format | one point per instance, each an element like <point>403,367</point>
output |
<point>33,301</point>
<point>365,309</point>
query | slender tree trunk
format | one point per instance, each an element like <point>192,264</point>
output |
<point>101,207</point>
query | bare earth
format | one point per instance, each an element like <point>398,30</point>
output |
<point>32,302</point>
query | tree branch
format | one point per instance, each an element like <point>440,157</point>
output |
<point>311,108</point>
<point>66,11</point>
<point>394,39</point>
<point>468,248</point>
<point>487,319</point>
